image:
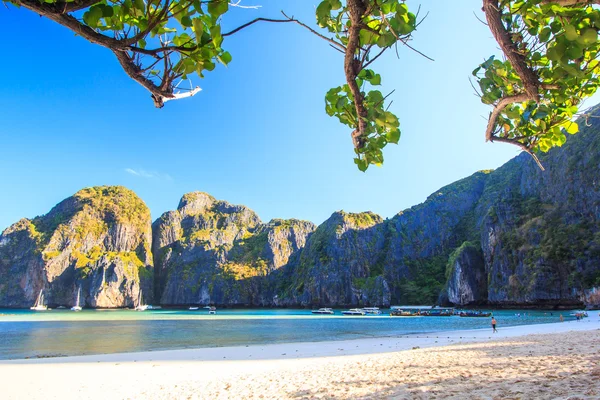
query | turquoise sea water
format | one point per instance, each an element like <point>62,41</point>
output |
<point>26,333</point>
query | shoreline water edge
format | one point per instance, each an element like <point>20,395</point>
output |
<point>205,373</point>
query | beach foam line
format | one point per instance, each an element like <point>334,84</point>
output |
<point>284,351</point>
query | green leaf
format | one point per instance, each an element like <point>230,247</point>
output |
<point>368,37</point>
<point>216,8</point>
<point>574,51</point>
<point>571,127</point>
<point>107,11</point>
<point>215,32</point>
<point>362,164</point>
<point>198,27</point>
<point>402,9</point>
<point>589,36</point>
<point>139,5</point>
<point>92,16</point>
<point>225,58</point>
<point>335,4</point>
<point>393,136</point>
<point>544,35</point>
<point>186,21</point>
<point>386,40</point>
<point>323,13</point>
<point>571,32</point>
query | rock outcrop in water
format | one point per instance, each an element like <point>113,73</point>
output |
<point>97,241</point>
<point>517,236</point>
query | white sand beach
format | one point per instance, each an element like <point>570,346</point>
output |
<point>560,360</point>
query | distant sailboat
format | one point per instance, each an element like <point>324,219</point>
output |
<point>39,304</point>
<point>76,307</point>
<point>140,304</point>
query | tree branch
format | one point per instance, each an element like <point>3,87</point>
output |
<point>498,108</point>
<point>530,80</point>
<point>356,10</point>
<point>523,147</point>
<point>137,74</point>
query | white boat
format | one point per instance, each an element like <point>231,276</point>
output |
<point>354,311</point>
<point>141,306</point>
<point>39,304</point>
<point>193,308</point>
<point>212,310</point>
<point>323,311</point>
<point>154,307</point>
<point>76,307</point>
<point>372,310</point>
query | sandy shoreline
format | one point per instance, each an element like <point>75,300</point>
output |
<point>414,366</point>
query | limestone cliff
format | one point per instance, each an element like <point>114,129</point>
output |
<point>466,276</point>
<point>540,230</point>
<point>97,241</point>
<point>336,267</point>
<point>517,236</point>
<point>212,252</point>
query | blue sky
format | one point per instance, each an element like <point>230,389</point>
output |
<point>257,134</point>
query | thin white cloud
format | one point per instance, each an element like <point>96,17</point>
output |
<point>142,173</point>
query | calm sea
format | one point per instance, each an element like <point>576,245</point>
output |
<point>26,333</point>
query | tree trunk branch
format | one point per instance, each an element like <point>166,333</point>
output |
<point>530,80</point>
<point>356,9</point>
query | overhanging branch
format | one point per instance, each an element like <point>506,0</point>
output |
<point>529,78</point>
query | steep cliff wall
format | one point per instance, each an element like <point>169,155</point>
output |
<point>212,252</point>
<point>97,241</point>
<point>540,230</point>
<point>516,236</point>
<point>338,266</point>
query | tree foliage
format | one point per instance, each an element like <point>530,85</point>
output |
<point>551,66</point>
<point>550,63</point>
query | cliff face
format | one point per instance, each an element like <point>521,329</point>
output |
<point>540,230</point>
<point>466,276</point>
<point>209,251</point>
<point>338,266</point>
<point>516,236</point>
<point>97,241</point>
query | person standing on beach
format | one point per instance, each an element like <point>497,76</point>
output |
<point>494,325</point>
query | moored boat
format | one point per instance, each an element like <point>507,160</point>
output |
<point>474,314</point>
<point>76,307</point>
<point>421,311</point>
<point>212,310</point>
<point>372,310</point>
<point>436,313</point>
<point>322,311</point>
<point>140,304</point>
<point>353,311</point>
<point>39,303</point>
<point>403,313</point>
<point>193,308</point>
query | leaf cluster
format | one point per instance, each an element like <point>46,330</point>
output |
<point>560,46</point>
<point>380,27</point>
